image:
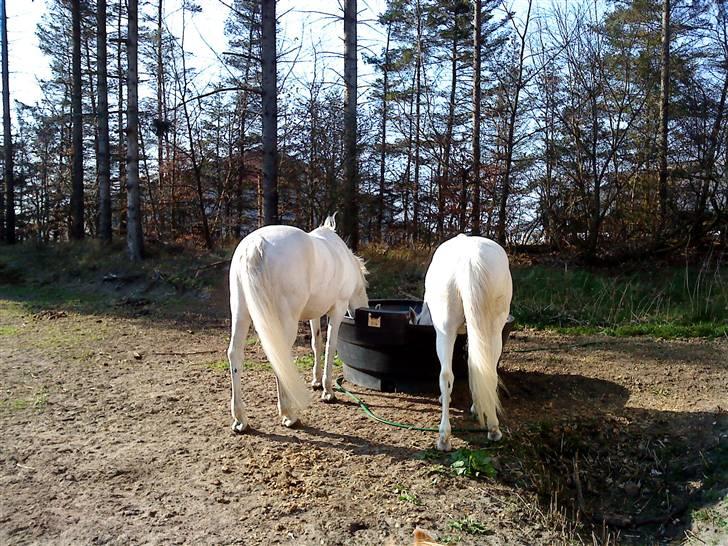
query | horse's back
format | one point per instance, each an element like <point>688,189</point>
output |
<point>280,256</point>
<point>273,246</point>
<point>463,261</point>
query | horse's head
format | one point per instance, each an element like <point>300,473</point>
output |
<point>359,298</point>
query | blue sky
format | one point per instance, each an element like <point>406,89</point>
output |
<point>205,38</point>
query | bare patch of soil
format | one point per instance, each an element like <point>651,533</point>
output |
<point>115,429</point>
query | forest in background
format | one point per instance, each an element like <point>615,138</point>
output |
<point>599,127</point>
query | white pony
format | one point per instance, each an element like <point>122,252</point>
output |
<point>469,284</point>
<point>280,275</point>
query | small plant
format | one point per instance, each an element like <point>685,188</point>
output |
<point>474,463</point>
<point>429,455</point>
<point>468,525</point>
<point>38,402</point>
<point>304,362</point>
<point>406,496</point>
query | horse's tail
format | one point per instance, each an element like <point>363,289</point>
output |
<point>266,318</point>
<point>481,297</point>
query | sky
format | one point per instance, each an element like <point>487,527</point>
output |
<point>205,39</point>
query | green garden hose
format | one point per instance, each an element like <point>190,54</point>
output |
<point>369,413</point>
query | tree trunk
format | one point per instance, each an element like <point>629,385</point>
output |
<point>418,96</point>
<point>161,112</point>
<point>134,239</point>
<point>506,186</point>
<point>104,160</point>
<point>270,112</point>
<point>664,113</point>
<point>121,151</point>
<point>477,24</point>
<point>350,225</point>
<point>77,135</point>
<point>383,147</point>
<point>445,180</point>
<point>8,138</point>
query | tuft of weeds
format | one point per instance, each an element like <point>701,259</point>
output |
<point>712,517</point>
<point>472,463</point>
<point>404,495</point>
<point>469,525</point>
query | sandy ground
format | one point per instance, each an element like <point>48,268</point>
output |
<point>115,429</point>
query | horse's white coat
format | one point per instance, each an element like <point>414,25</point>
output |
<point>280,275</point>
<point>469,284</point>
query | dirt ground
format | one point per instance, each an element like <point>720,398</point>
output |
<point>115,429</point>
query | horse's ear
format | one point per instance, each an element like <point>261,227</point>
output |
<point>330,221</point>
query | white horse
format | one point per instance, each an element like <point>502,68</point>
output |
<point>280,275</point>
<point>468,284</point>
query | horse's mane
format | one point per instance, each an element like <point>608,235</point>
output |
<point>363,268</point>
<point>330,223</point>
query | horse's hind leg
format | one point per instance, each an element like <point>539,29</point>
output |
<point>496,347</point>
<point>335,317</point>
<point>445,344</point>
<point>317,344</point>
<point>241,325</point>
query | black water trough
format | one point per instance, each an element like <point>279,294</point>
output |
<point>383,350</point>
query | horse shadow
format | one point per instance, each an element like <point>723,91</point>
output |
<point>576,443</point>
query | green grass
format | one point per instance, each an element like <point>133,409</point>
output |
<point>668,303</point>
<point>663,302</point>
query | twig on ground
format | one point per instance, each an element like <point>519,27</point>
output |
<point>185,353</point>
<point>210,266</point>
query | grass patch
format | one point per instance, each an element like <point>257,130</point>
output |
<point>37,402</point>
<point>222,365</point>
<point>669,303</point>
<point>8,330</point>
<point>31,299</point>
<point>305,362</point>
<point>675,302</point>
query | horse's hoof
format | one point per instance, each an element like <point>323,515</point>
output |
<point>328,397</point>
<point>444,445</point>
<point>494,435</point>
<point>316,385</point>
<point>239,427</point>
<point>289,421</point>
